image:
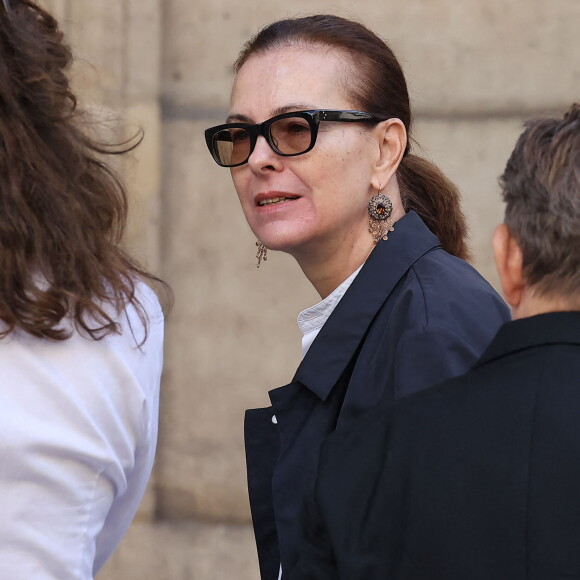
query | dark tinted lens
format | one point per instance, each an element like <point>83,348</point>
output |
<point>291,135</point>
<point>232,146</point>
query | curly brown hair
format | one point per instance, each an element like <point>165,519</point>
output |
<point>62,209</point>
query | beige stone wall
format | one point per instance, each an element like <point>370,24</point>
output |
<point>476,70</point>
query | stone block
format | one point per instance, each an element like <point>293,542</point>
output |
<point>97,33</point>
<point>222,356</point>
<point>143,30</point>
<point>474,57</point>
<point>185,551</point>
<point>473,154</point>
<point>148,506</point>
<point>459,57</point>
<point>141,172</point>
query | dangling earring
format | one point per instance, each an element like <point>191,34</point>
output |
<point>262,252</point>
<point>380,209</point>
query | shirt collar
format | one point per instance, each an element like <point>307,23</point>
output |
<point>542,329</point>
<point>312,319</point>
<point>340,336</point>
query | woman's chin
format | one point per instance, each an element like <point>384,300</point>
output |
<point>277,246</point>
<point>282,242</point>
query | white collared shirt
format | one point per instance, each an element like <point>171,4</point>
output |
<point>312,319</point>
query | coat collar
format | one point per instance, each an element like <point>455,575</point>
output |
<point>542,329</point>
<point>340,336</point>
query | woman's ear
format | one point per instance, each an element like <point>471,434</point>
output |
<point>509,264</point>
<point>391,138</point>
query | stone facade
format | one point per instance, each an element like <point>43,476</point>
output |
<point>476,70</point>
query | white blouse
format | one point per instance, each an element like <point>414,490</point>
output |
<point>78,429</point>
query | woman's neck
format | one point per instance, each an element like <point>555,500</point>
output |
<point>327,269</point>
<point>327,265</point>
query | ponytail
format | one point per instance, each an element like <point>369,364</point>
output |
<point>426,190</point>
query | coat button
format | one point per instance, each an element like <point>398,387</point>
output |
<point>274,420</point>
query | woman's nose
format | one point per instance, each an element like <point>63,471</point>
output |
<point>264,157</point>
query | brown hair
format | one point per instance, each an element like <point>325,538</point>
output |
<point>376,83</point>
<point>62,210</point>
<point>541,188</point>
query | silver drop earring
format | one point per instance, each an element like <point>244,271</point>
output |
<point>262,253</point>
<point>380,209</point>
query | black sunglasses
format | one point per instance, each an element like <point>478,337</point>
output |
<point>288,134</point>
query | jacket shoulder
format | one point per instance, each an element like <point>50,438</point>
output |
<point>447,288</point>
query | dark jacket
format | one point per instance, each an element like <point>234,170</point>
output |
<point>413,316</point>
<point>476,479</point>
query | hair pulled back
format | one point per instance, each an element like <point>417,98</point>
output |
<point>62,210</point>
<point>376,84</point>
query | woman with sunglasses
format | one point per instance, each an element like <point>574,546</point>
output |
<point>318,142</point>
<point>81,331</point>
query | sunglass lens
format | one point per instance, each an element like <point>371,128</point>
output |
<point>232,146</point>
<point>291,135</point>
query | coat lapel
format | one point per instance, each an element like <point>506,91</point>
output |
<point>340,336</point>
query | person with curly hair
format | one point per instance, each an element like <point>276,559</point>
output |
<point>81,330</point>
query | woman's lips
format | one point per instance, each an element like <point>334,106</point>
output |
<point>269,199</point>
<point>275,200</point>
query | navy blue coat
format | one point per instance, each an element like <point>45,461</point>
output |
<point>475,479</point>
<point>413,316</point>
